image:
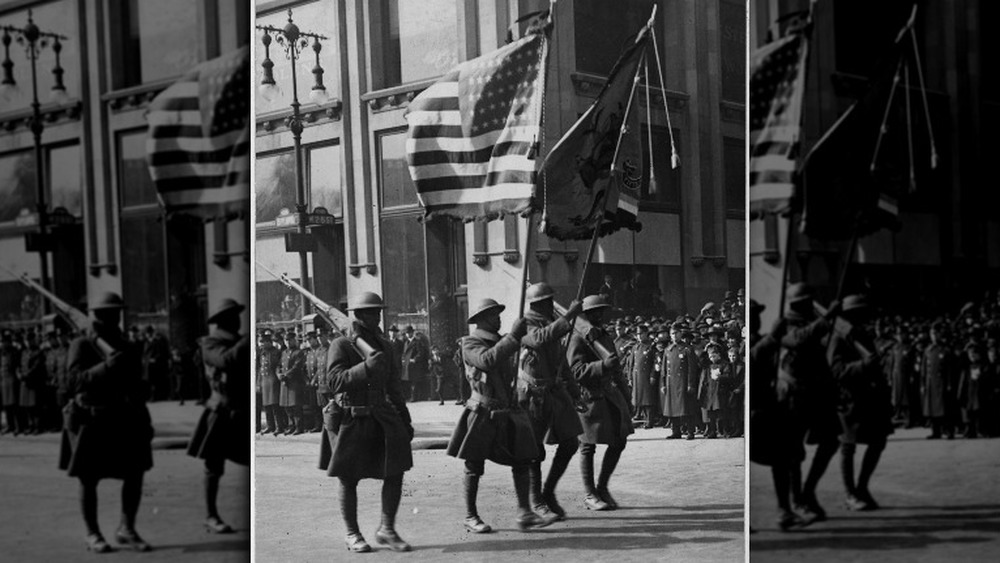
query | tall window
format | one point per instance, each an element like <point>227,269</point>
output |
<point>65,184</point>
<point>274,185</point>
<point>157,40</point>
<point>325,180</point>
<point>314,17</point>
<point>144,278</point>
<point>17,186</point>
<point>733,30</point>
<point>57,17</point>
<point>734,156</point>
<point>413,40</point>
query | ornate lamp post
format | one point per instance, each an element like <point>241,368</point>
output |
<point>34,40</point>
<point>294,41</point>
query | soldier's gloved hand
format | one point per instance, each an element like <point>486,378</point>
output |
<point>519,329</point>
<point>575,307</point>
<point>375,362</point>
<point>610,364</point>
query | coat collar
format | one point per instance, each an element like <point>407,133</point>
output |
<point>485,335</point>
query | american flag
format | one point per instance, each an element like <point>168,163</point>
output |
<point>198,147</point>
<point>470,134</point>
<point>777,83</point>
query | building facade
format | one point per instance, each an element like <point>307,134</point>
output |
<point>381,53</point>
<point>947,251</point>
<point>112,234</point>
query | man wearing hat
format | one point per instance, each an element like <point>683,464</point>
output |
<point>679,372</point>
<point>221,431</point>
<point>865,404</point>
<point>107,430</point>
<point>645,379</point>
<point>492,425</point>
<point>55,366</point>
<point>268,361</point>
<point>547,391</point>
<point>595,366</point>
<point>938,377</point>
<point>398,344</point>
<point>292,374</point>
<point>315,374</point>
<point>416,364</point>
<point>367,432</point>
<point>32,377</point>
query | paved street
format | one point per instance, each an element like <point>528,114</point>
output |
<point>40,515</point>
<point>682,501</point>
<point>940,499</point>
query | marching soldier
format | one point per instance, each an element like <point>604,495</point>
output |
<point>679,384</point>
<point>645,379</point>
<point>492,425</point>
<point>548,392</point>
<point>268,362</point>
<point>292,373</point>
<point>367,433</point>
<point>221,433</point>
<point>865,402</point>
<point>596,367</point>
<point>107,430</point>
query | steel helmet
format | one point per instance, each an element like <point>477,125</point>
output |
<point>592,302</point>
<point>538,292</point>
<point>366,300</point>
<point>484,305</point>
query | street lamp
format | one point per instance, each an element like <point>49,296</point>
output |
<point>34,40</point>
<point>294,41</point>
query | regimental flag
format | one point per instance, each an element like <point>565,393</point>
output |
<point>855,175</point>
<point>198,147</point>
<point>777,83</point>
<point>581,175</point>
<point>471,134</point>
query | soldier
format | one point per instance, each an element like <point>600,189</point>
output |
<point>367,433</point>
<point>107,430</point>
<point>645,379</point>
<point>292,373</point>
<point>937,375</point>
<point>865,405</point>
<point>678,379</point>
<point>595,366</point>
<point>31,376</point>
<point>10,392</point>
<point>323,394</point>
<point>221,433</point>
<point>415,361</point>
<point>268,362</point>
<point>492,425</point>
<point>315,371</point>
<point>547,391</point>
<point>155,358</point>
<point>398,345</point>
<point>55,367</point>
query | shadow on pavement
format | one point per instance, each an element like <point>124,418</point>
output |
<point>234,544</point>
<point>882,530</point>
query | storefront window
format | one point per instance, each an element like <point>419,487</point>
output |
<point>325,180</point>
<point>396,184</point>
<point>144,279</point>
<point>313,17</point>
<point>668,179</point>
<point>404,272</point>
<point>135,184</point>
<point>17,186</point>
<point>413,40</point>
<point>275,185</point>
<point>55,17</point>
<point>159,40</point>
<point>64,179</point>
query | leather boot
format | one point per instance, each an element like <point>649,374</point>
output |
<point>526,517</point>
<point>349,512</point>
<point>392,490</point>
<point>592,501</point>
<point>473,522</point>
<point>608,465</point>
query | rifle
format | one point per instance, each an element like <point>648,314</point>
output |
<point>337,320</point>
<point>74,316</point>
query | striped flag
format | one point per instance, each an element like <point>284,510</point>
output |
<point>583,174</point>
<point>471,134</point>
<point>777,84</point>
<point>198,146</point>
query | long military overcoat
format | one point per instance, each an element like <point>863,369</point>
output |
<point>221,430</point>
<point>607,419</point>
